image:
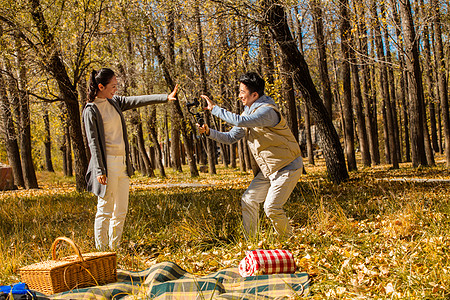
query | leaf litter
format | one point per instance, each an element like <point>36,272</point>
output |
<point>369,238</point>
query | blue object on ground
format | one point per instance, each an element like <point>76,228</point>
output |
<point>18,291</point>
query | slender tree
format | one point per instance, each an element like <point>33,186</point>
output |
<point>29,174</point>
<point>415,85</point>
<point>442,78</point>
<point>47,139</point>
<point>309,143</point>
<point>428,63</point>
<point>49,54</point>
<point>391,154</point>
<point>366,89</point>
<point>403,80</point>
<point>428,76</point>
<point>437,93</point>
<point>307,116</point>
<point>267,63</point>
<point>317,14</point>
<point>188,142</point>
<point>151,125</point>
<point>8,131</point>
<point>228,156</point>
<point>175,122</point>
<point>391,82</point>
<point>329,140</point>
<point>289,97</point>
<point>204,85</point>
<point>358,107</point>
<point>346,83</point>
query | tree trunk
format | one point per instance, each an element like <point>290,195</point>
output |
<point>174,142</point>
<point>309,144</point>
<point>334,156</point>
<point>267,64</point>
<point>366,89</point>
<point>430,99</point>
<point>224,84</point>
<point>242,164</point>
<point>387,148</point>
<point>299,36</point>
<point>223,147</point>
<point>402,79</point>
<point>433,122</point>
<point>415,85</point>
<point>247,154</point>
<point>322,52</point>
<point>347,89</point>
<point>437,93</point>
<point>442,79</point>
<point>188,142</point>
<point>29,174</point>
<point>56,68</point>
<point>82,91</point>
<point>63,150</point>
<point>374,104</point>
<point>427,143</point>
<point>175,122</point>
<point>47,140</point>
<point>240,144</point>
<point>361,123</point>
<point>394,131</point>
<point>135,155</point>
<point>9,133</point>
<point>210,149</point>
<point>151,125</point>
<point>167,160</point>
<point>406,119</point>
<point>152,154</point>
<point>391,154</point>
<point>137,124</point>
<point>233,156</point>
<point>68,151</point>
<point>289,97</point>
<point>182,153</point>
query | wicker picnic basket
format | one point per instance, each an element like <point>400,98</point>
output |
<point>67,273</point>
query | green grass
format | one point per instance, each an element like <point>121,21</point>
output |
<point>368,238</point>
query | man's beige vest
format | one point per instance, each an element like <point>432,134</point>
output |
<point>272,147</point>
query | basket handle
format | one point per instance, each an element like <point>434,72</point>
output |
<point>70,242</point>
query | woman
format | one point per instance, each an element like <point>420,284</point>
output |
<point>110,167</point>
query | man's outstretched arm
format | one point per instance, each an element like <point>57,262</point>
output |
<point>230,137</point>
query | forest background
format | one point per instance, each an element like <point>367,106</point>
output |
<point>374,72</point>
<point>359,83</point>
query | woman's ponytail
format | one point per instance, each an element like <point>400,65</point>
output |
<point>92,86</point>
<point>103,76</point>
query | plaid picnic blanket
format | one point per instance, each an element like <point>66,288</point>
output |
<point>167,280</point>
<point>257,262</point>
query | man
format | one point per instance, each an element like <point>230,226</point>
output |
<point>274,148</point>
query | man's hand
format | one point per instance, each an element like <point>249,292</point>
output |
<point>102,179</point>
<point>173,96</point>
<point>210,103</point>
<point>203,129</point>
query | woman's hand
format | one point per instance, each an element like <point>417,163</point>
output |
<point>102,179</point>
<point>173,96</point>
<point>203,129</point>
<point>210,103</point>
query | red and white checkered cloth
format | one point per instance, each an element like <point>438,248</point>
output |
<point>257,262</point>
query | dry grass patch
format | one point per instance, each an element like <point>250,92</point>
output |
<point>368,238</point>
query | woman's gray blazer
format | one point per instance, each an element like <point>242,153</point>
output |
<point>95,135</point>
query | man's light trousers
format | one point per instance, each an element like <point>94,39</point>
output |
<point>112,209</point>
<point>274,191</point>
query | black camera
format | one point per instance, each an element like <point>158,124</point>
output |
<point>194,103</point>
<point>198,116</point>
